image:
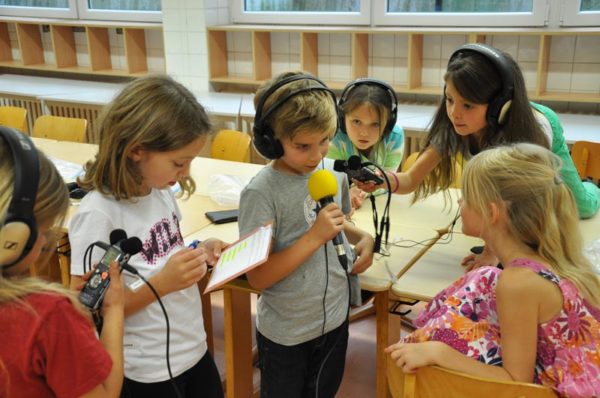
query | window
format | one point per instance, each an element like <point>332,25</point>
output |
<point>322,12</point>
<point>581,12</point>
<point>121,10</point>
<point>39,8</point>
<point>460,12</point>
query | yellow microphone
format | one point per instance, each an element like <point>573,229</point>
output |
<point>322,187</point>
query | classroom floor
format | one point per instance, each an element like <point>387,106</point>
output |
<point>359,374</point>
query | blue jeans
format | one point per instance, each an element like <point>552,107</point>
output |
<point>292,371</point>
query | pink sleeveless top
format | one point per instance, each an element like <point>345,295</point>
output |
<point>464,316</point>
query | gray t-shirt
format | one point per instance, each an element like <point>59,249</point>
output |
<point>291,311</point>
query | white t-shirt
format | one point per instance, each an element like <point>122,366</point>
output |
<point>155,220</point>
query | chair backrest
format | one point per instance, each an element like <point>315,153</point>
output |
<point>458,163</point>
<point>434,382</point>
<point>586,157</point>
<point>60,128</point>
<point>14,117</point>
<point>231,145</point>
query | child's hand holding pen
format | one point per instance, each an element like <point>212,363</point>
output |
<point>213,248</point>
<point>183,269</point>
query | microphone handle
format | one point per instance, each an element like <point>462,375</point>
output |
<point>338,241</point>
<point>338,245</point>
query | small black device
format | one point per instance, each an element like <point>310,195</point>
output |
<point>354,169</point>
<point>93,292</point>
<point>120,249</point>
<point>222,216</point>
<point>364,175</point>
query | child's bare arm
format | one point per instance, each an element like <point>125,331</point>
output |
<point>410,179</point>
<point>111,336</point>
<point>329,222</point>
<point>363,246</point>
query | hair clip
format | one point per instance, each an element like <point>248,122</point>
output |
<point>558,180</point>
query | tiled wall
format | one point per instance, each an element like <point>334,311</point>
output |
<point>184,23</point>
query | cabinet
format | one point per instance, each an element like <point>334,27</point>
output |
<point>77,46</point>
<point>412,60</point>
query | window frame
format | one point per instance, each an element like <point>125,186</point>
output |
<point>41,12</point>
<point>538,17</point>
<point>571,16</point>
<point>363,17</point>
<point>117,15</point>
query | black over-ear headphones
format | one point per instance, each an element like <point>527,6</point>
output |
<point>499,106</point>
<point>18,231</point>
<point>393,116</point>
<point>264,138</point>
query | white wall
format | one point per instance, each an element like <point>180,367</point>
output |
<point>184,23</point>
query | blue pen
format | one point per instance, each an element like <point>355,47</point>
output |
<point>194,244</point>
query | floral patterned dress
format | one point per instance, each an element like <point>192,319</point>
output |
<point>568,350</point>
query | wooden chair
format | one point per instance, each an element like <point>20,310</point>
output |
<point>60,128</point>
<point>14,117</point>
<point>456,181</point>
<point>231,145</point>
<point>586,157</point>
<point>434,382</point>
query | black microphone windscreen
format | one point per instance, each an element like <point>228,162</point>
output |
<point>132,245</point>
<point>340,165</point>
<point>117,235</point>
<point>354,162</point>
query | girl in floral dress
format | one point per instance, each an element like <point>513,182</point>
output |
<point>538,320</point>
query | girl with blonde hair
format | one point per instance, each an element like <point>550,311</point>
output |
<point>539,318</point>
<point>48,346</point>
<point>149,136</point>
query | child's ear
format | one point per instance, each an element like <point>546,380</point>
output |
<point>497,212</point>
<point>136,153</point>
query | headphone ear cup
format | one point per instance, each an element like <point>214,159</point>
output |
<point>265,143</point>
<point>504,111</point>
<point>15,237</point>
<point>497,111</point>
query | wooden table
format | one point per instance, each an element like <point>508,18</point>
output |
<point>440,266</point>
<point>415,222</point>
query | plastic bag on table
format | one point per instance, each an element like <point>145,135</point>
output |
<point>225,189</point>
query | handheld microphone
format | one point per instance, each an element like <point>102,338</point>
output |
<point>322,187</point>
<point>356,170</point>
<point>120,249</point>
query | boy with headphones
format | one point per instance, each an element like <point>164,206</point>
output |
<point>48,345</point>
<point>302,312</point>
<point>485,104</point>
<point>368,110</point>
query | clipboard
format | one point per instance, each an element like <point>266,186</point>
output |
<point>241,256</point>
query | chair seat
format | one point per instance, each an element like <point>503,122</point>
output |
<point>435,382</point>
